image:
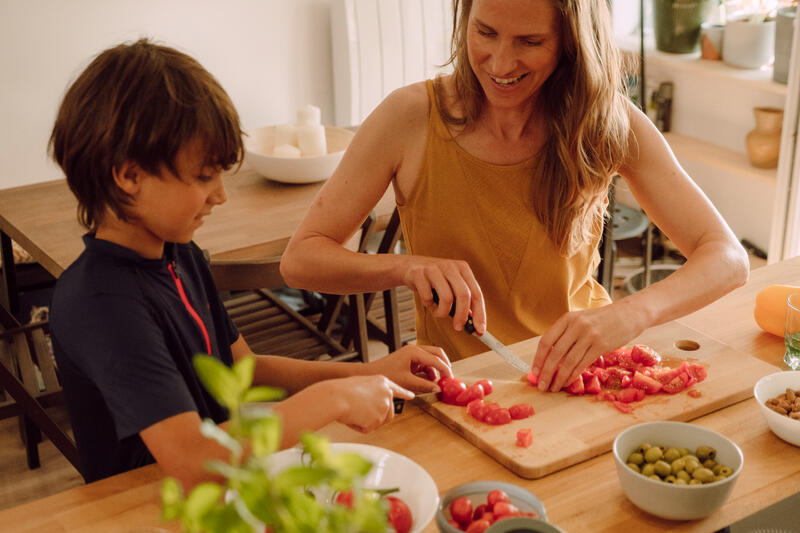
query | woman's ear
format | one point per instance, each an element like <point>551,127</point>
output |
<point>128,177</point>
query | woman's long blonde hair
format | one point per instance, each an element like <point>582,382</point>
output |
<point>587,119</point>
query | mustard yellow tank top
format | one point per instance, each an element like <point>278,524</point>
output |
<point>464,208</point>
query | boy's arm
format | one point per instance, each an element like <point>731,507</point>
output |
<point>293,375</point>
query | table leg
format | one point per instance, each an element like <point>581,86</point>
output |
<point>9,295</point>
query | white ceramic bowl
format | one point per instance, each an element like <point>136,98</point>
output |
<point>389,470</point>
<point>771,386</point>
<point>666,500</point>
<point>260,142</point>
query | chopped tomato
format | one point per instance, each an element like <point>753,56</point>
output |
<point>487,386</point>
<point>600,362</point>
<point>694,393</point>
<point>608,396</point>
<point>497,417</point>
<point>626,361</point>
<point>645,383</point>
<point>612,358</point>
<point>451,389</point>
<point>697,371</point>
<point>592,385</point>
<point>676,385</point>
<point>399,515</point>
<point>645,355</point>
<point>602,374</point>
<point>524,439</point>
<point>520,411</point>
<point>533,379</point>
<point>476,409</point>
<point>474,392</point>
<point>623,407</point>
<point>345,498</point>
<point>630,395</point>
<point>576,387</point>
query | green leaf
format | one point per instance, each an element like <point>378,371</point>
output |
<point>212,431</point>
<point>318,447</point>
<point>202,498</point>
<point>171,499</point>
<point>226,520</point>
<point>219,380</point>
<point>305,510</point>
<point>265,435</point>
<point>263,394</point>
<point>350,465</point>
<point>369,513</point>
<point>243,369</point>
<point>300,476</point>
<point>227,471</point>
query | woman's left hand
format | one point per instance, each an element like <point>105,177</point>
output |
<point>403,366</point>
<point>577,338</point>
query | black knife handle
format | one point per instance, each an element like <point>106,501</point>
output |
<point>469,327</point>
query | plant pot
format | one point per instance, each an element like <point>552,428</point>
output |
<point>764,141</point>
<point>784,28</point>
<point>677,24</point>
<point>748,45</point>
<point>711,40</point>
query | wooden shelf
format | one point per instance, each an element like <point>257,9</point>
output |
<point>719,71</point>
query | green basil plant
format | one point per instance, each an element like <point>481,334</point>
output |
<point>286,502</point>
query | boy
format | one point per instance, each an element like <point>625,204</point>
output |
<point>143,136</point>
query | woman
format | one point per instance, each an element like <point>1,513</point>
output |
<point>501,172</point>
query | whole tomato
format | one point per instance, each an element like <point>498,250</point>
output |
<point>399,515</point>
<point>478,526</point>
<point>496,496</point>
<point>461,510</point>
<point>345,498</point>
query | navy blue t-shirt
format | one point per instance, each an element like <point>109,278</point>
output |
<point>124,339</point>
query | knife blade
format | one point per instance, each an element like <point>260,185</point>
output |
<point>490,340</point>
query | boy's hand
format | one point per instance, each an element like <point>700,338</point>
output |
<point>403,365</point>
<point>365,402</point>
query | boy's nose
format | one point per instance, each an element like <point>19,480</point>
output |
<point>218,195</point>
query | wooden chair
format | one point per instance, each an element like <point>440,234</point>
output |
<point>270,326</point>
<point>28,384</point>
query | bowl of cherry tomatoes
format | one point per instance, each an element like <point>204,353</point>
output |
<point>492,507</point>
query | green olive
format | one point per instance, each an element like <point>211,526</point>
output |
<point>719,478</point>
<point>691,464</point>
<point>636,458</point>
<point>681,481</point>
<point>643,447</point>
<point>648,469</point>
<point>695,482</point>
<point>684,475</point>
<point>670,479</point>
<point>634,467</point>
<point>655,477</point>
<point>717,468</point>
<point>671,454</point>
<point>725,471</point>
<point>678,465</point>
<point>662,468</point>
<point>703,474</point>
<point>683,451</point>
<point>653,454</point>
<point>705,452</point>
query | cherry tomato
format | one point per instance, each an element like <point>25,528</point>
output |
<point>479,511</point>
<point>461,510</point>
<point>345,498</point>
<point>504,508</point>
<point>487,386</point>
<point>496,496</point>
<point>497,417</point>
<point>399,515</point>
<point>520,411</point>
<point>451,390</point>
<point>474,392</point>
<point>478,526</point>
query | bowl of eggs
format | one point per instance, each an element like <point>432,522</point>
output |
<point>302,152</point>
<point>676,470</point>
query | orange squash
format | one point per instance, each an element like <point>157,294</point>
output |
<point>770,309</point>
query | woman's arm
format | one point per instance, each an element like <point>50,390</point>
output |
<point>388,147</point>
<point>716,263</point>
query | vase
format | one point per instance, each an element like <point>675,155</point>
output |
<point>677,24</point>
<point>747,44</point>
<point>763,143</point>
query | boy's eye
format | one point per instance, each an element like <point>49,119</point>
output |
<point>205,179</point>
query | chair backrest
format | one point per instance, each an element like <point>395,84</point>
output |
<point>381,45</point>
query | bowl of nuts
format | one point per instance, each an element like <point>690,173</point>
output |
<point>676,470</point>
<point>778,395</point>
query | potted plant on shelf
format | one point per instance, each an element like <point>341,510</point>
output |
<point>678,22</point>
<point>252,496</point>
<point>749,40</point>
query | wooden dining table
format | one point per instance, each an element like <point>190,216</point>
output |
<point>583,497</point>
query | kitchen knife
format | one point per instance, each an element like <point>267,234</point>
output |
<point>491,341</point>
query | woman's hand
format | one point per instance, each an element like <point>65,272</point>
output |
<point>403,365</point>
<point>453,281</point>
<point>578,338</point>
<point>364,403</point>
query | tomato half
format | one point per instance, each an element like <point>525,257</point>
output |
<point>520,411</point>
<point>399,515</point>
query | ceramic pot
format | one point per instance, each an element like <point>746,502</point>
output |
<point>677,24</point>
<point>784,28</point>
<point>748,45</point>
<point>763,142</point>
<point>711,40</point>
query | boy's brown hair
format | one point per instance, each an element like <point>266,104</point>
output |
<point>138,102</point>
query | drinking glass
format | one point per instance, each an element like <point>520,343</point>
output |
<point>791,335</point>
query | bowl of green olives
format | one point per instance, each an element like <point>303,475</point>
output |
<point>676,470</point>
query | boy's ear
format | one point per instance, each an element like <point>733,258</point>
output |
<point>128,177</point>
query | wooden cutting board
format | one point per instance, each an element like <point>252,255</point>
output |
<point>568,429</point>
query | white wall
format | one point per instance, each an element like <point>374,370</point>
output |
<point>272,56</point>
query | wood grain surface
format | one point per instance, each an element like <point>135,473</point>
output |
<point>568,429</point>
